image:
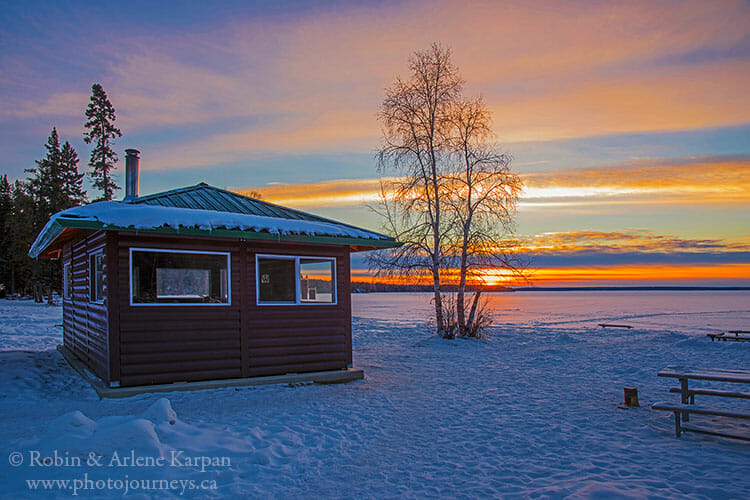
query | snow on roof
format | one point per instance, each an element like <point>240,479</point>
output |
<point>118,215</point>
<point>124,215</point>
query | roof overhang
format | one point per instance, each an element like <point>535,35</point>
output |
<point>60,230</point>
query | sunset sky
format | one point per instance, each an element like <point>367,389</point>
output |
<point>629,122</point>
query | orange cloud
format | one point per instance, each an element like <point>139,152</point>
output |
<point>646,174</point>
<point>341,192</point>
<point>679,181</point>
<point>658,100</point>
<point>630,241</point>
<point>685,180</point>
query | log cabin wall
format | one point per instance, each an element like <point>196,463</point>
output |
<point>160,344</point>
<point>299,338</point>
<point>84,322</point>
<point>171,343</point>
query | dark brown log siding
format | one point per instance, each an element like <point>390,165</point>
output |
<point>300,338</point>
<point>85,323</point>
<point>161,344</point>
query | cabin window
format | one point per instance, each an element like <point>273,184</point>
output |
<point>96,277</point>
<point>68,281</point>
<point>287,280</point>
<point>277,282</point>
<point>316,280</point>
<point>174,277</point>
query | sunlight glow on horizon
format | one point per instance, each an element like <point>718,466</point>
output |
<point>631,275</point>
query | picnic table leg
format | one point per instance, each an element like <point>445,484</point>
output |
<point>685,398</point>
<point>677,427</point>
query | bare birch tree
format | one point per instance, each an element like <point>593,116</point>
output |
<point>451,196</point>
<point>481,204</point>
<point>415,119</point>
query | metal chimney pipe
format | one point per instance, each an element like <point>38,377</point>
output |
<point>132,161</point>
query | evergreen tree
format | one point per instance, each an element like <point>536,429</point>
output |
<point>6,201</point>
<point>6,209</point>
<point>54,185</point>
<point>20,237</point>
<point>73,191</point>
<point>102,132</point>
<point>44,183</point>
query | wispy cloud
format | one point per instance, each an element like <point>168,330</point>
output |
<point>629,241</point>
<point>718,180</point>
<point>707,180</point>
<point>341,192</point>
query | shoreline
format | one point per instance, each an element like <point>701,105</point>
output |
<point>428,288</point>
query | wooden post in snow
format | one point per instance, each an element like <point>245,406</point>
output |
<point>631,396</point>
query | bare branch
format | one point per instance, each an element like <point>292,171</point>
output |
<point>452,200</point>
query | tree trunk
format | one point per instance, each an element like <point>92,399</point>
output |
<point>436,252</point>
<point>463,327</point>
<point>438,299</point>
<point>473,312</point>
<point>460,301</point>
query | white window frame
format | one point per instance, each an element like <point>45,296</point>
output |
<point>67,281</point>
<point>228,255</point>
<point>92,276</point>
<point>297,284</point>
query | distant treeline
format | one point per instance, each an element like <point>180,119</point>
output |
<point>362,287</point>
<point>25,207</point>
<point>388,287</point>
<point>657,288</point>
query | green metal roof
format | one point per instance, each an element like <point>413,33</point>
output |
<point>304,228</point>
<point>205,197</point>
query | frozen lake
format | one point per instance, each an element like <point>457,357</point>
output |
<point>698,311</point>
<point>532,412</point>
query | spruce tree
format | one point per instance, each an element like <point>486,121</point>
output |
<point>20,238</point>
<point>101,131</point>
<point>54,185</point>
<point>6,202</point>
<point>44,184</point>
<point>73,191</point>
<point>6,209</point>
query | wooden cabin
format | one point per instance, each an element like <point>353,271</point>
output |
<point>200,283</point>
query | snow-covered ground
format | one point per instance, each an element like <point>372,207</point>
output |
<point>531,412</point>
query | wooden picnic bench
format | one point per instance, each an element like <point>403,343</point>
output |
<point>735,335</point>
<point>687,406</point>
<point>612,325</point>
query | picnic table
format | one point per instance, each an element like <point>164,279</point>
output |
<point>687,398</point>
<point>735,335</point>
